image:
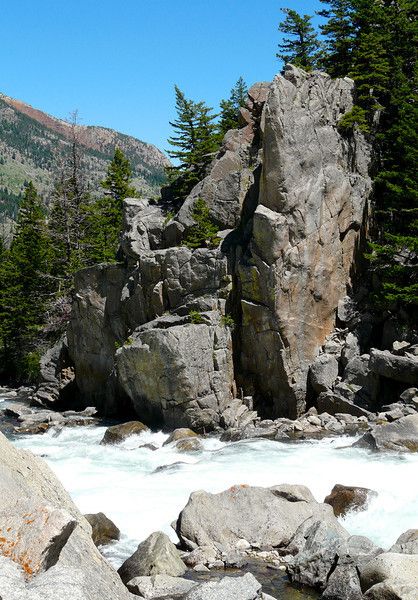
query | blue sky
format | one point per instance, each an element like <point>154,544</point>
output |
<point>117,62</point>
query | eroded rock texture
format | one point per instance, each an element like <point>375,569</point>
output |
<point>306,230</point>
<point>177,334</point>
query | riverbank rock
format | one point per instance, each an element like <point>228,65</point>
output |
<point>289,195</point>
<point>103,530</point>
<point>306,227</point>
<point>401,435</point>
<point>345,498</point>
<point>265,518</point>
<point>157,555</point>
<point>390,575</point>
<point>54,542</point>
<point>119,433</point>
<point>389,365</point>
<point>158,587</point>
<point>327,558</point>
<point>194,366</point>
<point>407,543</point>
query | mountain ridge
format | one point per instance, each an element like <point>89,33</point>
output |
<point>33,143</point>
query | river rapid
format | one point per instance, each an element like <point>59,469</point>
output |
<point>139,490</point>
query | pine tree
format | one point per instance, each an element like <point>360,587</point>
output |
<point>104,216</point>
<point>302,49</point>
<point>195,142</point>
<point>68,215</point>
<point>230,107</point>
<point>118,180</point>
<point>394,250</point>
<point>339,33</point>
<point>24,284</point>
<point>204,233</point>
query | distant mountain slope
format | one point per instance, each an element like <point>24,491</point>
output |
<point>32,144</point>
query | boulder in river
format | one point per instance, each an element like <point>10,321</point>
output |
<point>326,558</point>
<point>266,517</point>
<point>345,498</point>
<point>119,433</point>
<point>104,530</point>
<point>155,556</point>
<point>401,435</point>
<point>180,434</point>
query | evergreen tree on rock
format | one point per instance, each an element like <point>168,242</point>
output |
<point>302,48</point>
<point>105,215</point>
<point>24,285</point>
<point>229,117</point>
<point>339,33</point>
<point>195,142</point>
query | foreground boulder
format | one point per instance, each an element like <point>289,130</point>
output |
<point>157,555</point>
<point>345,498</point>
<point>401,435</point>
<point>103,529</point>
<point>229,588</point>
<point>55,556</point>
<point>265,517</point>
<point>390,576</point>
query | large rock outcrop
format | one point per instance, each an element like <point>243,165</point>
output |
<point>306,230</point>
<point>289,195</point>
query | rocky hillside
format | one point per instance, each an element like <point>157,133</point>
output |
<point>32,144</point>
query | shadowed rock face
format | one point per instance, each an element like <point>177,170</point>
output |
<point>290,196</point>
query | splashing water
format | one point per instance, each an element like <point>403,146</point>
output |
<point>122,480</point>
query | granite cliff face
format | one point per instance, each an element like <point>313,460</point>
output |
<point>289,195</point>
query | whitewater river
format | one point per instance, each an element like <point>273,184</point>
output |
<point>124,483</point>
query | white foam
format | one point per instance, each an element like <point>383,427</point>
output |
<point>121,480</point>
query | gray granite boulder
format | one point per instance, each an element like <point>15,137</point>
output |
<point>389,365</point>
<point>401,435</point>
<point>265,517</point>
<point>157,555</point>
<point>160,586</point>
<point>407,543</point>
<point>181,375</point>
